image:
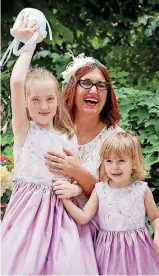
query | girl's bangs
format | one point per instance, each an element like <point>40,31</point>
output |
<point>118,149</point>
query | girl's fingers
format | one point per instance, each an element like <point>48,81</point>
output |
<point>59,188</point>
<point>21,20</point>
<point>157,250</point>
<point>24,24</point>
<point>31,25</point>
<point>59,182</point>
<point>60,192</point>
<point>25,21</point>
<point>36,27</point>
<point>30,29</point>
<point>63,196</point>
<point>60,196</point>
<point>156,247</point>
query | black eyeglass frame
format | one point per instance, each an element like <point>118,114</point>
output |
<point>94,84</point>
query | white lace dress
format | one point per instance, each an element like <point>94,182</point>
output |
<point>38,236</point>
<point>29,158</point>
<point>124,246</point>
<point>89,158</point>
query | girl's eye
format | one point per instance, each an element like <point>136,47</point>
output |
<point>108,161</point>
<point>35,99</point>
<point>121,160</point>
<point>51,99</point>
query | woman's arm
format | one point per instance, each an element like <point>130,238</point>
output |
<point>83,177</point>
<point>153,215</point>
<point>82,216</point>
<point>69,165</point>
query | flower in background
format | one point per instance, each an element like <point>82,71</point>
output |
<point>10,164</point>
<point>5,178</point>
<point>3,159</point>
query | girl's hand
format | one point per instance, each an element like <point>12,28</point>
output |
<point>62,163</point>
<point>156,243</point>
<point>26,29</point>
<point>65,190</point>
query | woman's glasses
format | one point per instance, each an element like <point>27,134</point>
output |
<point>87,84</point>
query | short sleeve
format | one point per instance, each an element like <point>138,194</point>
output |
<point>144,186</point>
<point>116,129</point>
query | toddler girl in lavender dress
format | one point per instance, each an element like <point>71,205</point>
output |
<point>38,236</point>
<point>123,246</point>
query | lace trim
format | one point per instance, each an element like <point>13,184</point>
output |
<point>91,149</point>
<point>33,181</point>
<point>123,230</point>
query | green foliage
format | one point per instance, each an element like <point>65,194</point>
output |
<point>124,35</point>
<point>139,111</point>
<point>7,143</point>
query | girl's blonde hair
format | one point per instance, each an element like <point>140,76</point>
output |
<point>121,145</point>
<point>61,120</point>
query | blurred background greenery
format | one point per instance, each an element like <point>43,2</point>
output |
<point>123,35</point>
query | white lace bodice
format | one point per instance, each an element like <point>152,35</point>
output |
<point>29,158</point>
<point>121,209</point>
<point>89,153</point>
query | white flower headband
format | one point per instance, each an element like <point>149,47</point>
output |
<point>78,62</point>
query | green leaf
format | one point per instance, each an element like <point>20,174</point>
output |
<point>154,122</point>
<point>6,140</point>
<point>95,42</point>
<point>8,151</point>
<point>150,160</point>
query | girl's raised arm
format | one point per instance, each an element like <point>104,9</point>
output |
<point>17,83</point>
<point>82,216</point>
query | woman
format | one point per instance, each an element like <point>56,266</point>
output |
<point>90,99</point>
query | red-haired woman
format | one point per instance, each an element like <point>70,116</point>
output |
<point>89,96</point>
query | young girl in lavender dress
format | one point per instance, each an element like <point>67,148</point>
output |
<point>38,236</point>
<point>123,246</point>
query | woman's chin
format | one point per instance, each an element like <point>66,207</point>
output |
<point>91,111</point>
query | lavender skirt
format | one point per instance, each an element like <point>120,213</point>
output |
<point>40,238</point>
<point>126,253</point>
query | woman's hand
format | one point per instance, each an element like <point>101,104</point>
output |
<point>65,190</point>
<point>69,165</point>
<point>62,163</point>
